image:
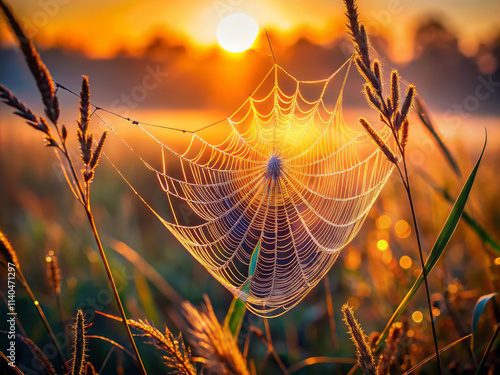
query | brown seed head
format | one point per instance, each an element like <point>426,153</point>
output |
<point>38,69</point>
<point>214,343</point>
<point>394,90</point>
<point>391,345</point>
<point>357,32</point>
<point>176,355</point>
<point>79,344</point>
<point>22,109</point>
<point>371,98</point>
<point>7,252</point>
<point>97,152</point>
<point>377,70</point>
<point>379,141</point>
<point>363,350</point>
<point>367,74</point>
<point>410,94</point>
<point>405,129</point>
<point>64,132</point>
<point>84,105</point>
<point>53,271</point>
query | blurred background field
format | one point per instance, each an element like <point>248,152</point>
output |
<point>195,84</point>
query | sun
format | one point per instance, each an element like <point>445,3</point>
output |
<point>237,32</point>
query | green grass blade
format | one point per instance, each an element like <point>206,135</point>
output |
<point>439,246</point>
<point>425,119</point>
<point>236,312</point>
<point>487,351</point>
<point>478,311</point>
<point>235,315</point>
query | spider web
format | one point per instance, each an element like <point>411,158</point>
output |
<point>281,187</point>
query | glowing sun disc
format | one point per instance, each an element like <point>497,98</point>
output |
<point>237,32</point>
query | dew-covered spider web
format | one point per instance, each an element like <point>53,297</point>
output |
<point>280,187</point>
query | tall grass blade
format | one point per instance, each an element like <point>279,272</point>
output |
<point>425,119</point>
<point>439,245</point>
<point>236,312</point>
<point>487,351</point>
<point>478,311</point>
<point>235,315</point>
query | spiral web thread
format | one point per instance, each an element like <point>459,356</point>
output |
<point>284,172</point>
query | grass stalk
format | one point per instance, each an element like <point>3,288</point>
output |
<point>422,262</point>
<point>113,286</point>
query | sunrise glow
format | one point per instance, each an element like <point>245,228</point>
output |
<point>237,32</point>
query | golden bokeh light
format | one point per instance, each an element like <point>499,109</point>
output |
<point>417,316</point>
<point>382,245</point>
<point>405,262</point>
<point>497,261</point>
<point>237,32</point>
<point>402,229</point>
<point>383,222</point>
<point>452,288</point>
<point>353,260</point>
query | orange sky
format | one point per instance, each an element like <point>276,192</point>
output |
<point>102,27</point>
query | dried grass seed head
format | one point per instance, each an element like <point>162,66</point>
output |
<point>410,94</point>
<point>377,71</point>
<point>371,98</point>
<point>405,130</point>
<point>38,69</point>
<point>394,90</point>
<point>98,151</point>
<point>213,342</point>
<point>379,141</point>
<point>79,344</point>
<point>53,271</point>
<point>21,109</point>
<point>7,251</point>
<point>390,352</point>
<point>84,136</point>
<point>177,357</point>
<point>363,350</point>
